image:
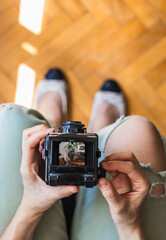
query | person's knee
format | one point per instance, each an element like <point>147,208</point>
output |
<point>140,136</point>
<point>140,124</point>
<point>134,133</point>
<point>139,120</point>
<point>138,130</point>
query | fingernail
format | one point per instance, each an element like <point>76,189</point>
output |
<point>102,184</point>
<point>40,148</point>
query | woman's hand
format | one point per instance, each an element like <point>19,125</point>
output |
<point>38,196</point>
<point>126,192</point>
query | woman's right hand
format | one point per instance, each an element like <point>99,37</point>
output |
<point>38,196</point>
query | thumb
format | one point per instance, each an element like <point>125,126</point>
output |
<point>109,192</point>
<point>59,192</point>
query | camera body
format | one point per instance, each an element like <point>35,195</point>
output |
<point>71,156</point>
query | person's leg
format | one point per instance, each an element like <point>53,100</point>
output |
<point>91,218</point>
<point>52,104</point>
<point>106,114</point>
<point>50,107</point>
<point>140,136</point>
<point>108,105</point>
<point>13,120</point>
<point>51,97</point>
<point>137,134</point>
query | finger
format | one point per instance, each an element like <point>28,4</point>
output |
<point>37,137</point>
<point>41,145</point>
<point>125,156</point>
<point>113,174</point>
<point>109,192</point>
<point>63,191</point>
<point>29,131</point>
<point>133,171</point>
<point>30,144</point>
<point>122,183</point>
<point>56,192</point>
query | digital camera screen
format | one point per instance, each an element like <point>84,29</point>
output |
<point>72,154</point>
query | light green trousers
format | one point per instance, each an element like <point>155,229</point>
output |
<point>91,217</point>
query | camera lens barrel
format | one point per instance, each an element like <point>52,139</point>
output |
<point>72,127</point>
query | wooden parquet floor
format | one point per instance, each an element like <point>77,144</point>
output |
<point>92,40</point>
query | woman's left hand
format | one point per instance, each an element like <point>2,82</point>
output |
<point>126,192</point>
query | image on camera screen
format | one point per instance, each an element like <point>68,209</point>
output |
<point>72,154</point>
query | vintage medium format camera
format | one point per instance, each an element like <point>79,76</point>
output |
<point>71,156</point>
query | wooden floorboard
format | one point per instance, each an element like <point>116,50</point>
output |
<point>92,40</point>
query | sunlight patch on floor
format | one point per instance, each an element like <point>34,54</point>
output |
<point>29,48</point>
<point>25,85</point>
<point>31,15</point>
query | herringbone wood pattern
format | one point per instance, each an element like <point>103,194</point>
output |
<point>92,40</point>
